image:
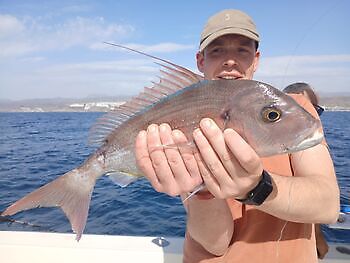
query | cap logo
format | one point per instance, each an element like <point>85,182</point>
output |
<point>227,17</point>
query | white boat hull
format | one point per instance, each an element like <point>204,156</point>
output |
<point>38,247</point>
<point>19,247</point>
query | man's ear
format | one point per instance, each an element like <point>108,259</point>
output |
<point>200,61</point>
<point>256,60</point>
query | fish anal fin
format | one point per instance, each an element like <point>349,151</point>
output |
<point>71,192</point>
<point>122,179</point>
<point>196,190</point>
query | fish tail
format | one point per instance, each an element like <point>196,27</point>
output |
<point>71,192</point>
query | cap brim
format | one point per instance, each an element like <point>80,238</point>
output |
<point>228,31</point>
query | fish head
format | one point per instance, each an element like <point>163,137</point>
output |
<point>271,121</point>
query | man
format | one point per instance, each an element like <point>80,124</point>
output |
<point>306,90</point>
<point>226,222</point>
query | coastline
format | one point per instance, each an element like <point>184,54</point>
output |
<point>107,104</point>
<point>98,106</point>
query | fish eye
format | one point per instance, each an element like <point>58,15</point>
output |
<point>271,114</point>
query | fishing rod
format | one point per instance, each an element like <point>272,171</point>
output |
<point>303,37</point>
<point>11,221</point>
<point>343,221</point>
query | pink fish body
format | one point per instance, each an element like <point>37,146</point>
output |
<point>270,121</point>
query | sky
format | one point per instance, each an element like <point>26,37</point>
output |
<point>54,49</point>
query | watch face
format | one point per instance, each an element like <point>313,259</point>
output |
<point>259,194</point>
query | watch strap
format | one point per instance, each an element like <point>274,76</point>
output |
<point>259,194</point>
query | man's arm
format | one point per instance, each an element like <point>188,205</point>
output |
<point>312,194</point>
<point>210,223</point>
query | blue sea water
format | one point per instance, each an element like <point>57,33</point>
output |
<point>36,148</point>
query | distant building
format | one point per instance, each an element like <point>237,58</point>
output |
<point>97,106</point>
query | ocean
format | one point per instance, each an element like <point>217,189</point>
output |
<point>36,148</point>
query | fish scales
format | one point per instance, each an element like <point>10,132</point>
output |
<point>183,111</point>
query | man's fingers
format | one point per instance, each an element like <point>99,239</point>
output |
<point>244,153</point>
<point>216,140</point>
<point>158,157</point>
<point>173,156</point>
<point>143,160</point>
<point>187,154</point>
<point>210,181</point>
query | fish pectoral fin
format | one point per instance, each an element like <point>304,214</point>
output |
<point>122,179</point>
<point>190,146</point>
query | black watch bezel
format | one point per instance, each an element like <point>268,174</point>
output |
<point>258,195</point>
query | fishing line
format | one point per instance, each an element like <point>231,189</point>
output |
<point>303,37</point>
<point>285,223</point>
<point>288,208</point>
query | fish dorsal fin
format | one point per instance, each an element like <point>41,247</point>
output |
<point>183,69</point>
<point>172,79</point>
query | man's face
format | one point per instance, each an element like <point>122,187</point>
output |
<point>230,56</point>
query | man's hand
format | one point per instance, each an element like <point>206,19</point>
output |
<point>228,165</point>
<point>170,170</point>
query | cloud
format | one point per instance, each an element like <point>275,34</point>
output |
<point>165,47</point>
<point>129,76</point>
<point>129,66</point>
<point>110,78</point>
<point>31,59</point>
<point>304,65</point>
<point>76,8</point>
<point>326,72</point>
<point>83,31</point>
<point>29,70</point>
<point>162,47</point>
<point>19,36</point>
<point>28,73</point>
<point>9,26</point>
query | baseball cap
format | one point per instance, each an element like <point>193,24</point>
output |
<point>228,21</point>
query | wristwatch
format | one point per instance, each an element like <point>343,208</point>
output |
<point>259,194</point>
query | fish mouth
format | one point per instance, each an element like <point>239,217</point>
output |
<point>314,139</point>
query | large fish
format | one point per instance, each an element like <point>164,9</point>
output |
<point>270,121</point>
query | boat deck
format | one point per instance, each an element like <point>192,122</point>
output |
<point>18,247</point>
